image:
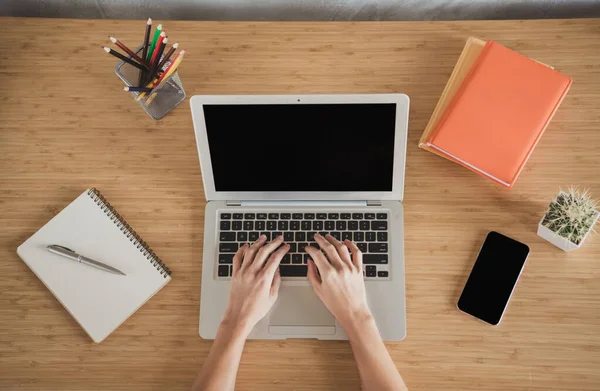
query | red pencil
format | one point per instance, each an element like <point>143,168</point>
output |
<point>155,54</point>
<point>127,50</point>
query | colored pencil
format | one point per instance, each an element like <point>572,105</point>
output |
<point>170,70</point>
<point>137,89</point>
<point>145,49</point>
<point>155,57</point>
<point>154,68</point>
<point>153,44</point>
<point>126,59</point>
<point>167,56</point>
<point>127,50</point>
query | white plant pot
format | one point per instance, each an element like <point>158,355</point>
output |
<point>559,241</point>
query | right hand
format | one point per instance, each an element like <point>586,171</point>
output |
<point>340,285</point>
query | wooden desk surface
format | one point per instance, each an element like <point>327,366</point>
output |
<point>65,125</point>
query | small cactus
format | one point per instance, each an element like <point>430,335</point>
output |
<point>571,215</point>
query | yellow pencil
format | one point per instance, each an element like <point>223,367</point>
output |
<point>168,72</point>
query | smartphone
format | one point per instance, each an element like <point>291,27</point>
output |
<point>493,278</point>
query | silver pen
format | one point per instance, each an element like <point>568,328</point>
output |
<point>72,255</point>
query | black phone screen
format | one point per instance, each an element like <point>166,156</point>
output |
<point>493,278</point>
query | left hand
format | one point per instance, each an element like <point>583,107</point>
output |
<point>255,283</point>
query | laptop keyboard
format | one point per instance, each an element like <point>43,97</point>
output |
<point>368,230</point>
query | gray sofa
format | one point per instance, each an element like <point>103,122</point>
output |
<point>303,10</point>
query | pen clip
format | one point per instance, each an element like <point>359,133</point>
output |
<point>63,247</point>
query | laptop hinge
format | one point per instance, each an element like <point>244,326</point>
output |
<point>307,203</point>
<point>234,203</point>
<point>373,203</point>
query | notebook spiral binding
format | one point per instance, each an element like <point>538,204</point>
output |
<point>127,230</point>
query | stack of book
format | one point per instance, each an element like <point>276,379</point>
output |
<point>493,111</point>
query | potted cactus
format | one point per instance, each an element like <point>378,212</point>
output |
<point>569,219</point>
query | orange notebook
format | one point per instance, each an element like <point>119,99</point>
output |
<point>499,113</point>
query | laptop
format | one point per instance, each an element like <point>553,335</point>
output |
<point>294,165</point>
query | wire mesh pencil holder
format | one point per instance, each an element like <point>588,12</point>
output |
<point>167,97</point>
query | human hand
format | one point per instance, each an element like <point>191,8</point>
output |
<point>255,283</point>
<point>340,285</point>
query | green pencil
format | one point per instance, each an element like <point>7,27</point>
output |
<point>153,44</point>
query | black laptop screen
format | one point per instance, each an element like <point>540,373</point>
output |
<point>302,147</point>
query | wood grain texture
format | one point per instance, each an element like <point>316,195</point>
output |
<point>65,125</point>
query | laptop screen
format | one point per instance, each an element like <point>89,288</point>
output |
<point>302,147</point>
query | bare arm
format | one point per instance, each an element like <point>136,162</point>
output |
<point>339,284</point>
<point>254,289</point>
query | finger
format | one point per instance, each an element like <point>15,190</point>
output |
<point>329,250</point>
<point>319,259</point>
<point>313,277</point>
<point>276,283</point>
<point>356,255</point>
<point>264,252</point>
<point>252,250</point>
<point>341,249</point>
<point>237,258</point>
<point>274,260</point>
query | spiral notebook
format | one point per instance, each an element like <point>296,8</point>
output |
<point>99,301</point>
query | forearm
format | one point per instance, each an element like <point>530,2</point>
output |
<point>220,368</point>
<point>376,368</point>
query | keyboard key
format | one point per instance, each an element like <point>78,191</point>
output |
<point>309,216</point>
<point>359,236</point>
<point>242,236</point>
<point>306,258</point>
<point>317,225</point>
<point>370,216</point>
<point>346,236</point>
<point>306,225</point>
<point>260,225</point>
<point>364,226</point>
<point>301,247</point>
<point>382,274</point>
<point>238,216</point>
<point>273,216</point>
<point>253,236</point>
<point>345,216</point>
<point>297,258</point>
<point>323,233</point>
<point>227,236</point>
<point>329,226</point>
<point>371,274</point>
<point>333,216</point>
<point>286,216</point>
<point>228,247</point>
<point>283,225</point>
<point>322,216</point>
<point>340,225</point>
<point>294,225</point>
<point>223,270</point>
<point>225,216</point>
<point>353,225</point>
<point>379,225</point>
<point>225,225</point>
<point>261,216</point>
<point>300,236</point>
<point>297,216</point>
<point>375,259</point>
<point>362,247</point>
<point>336,235</point>
<point>271,225</point>
<point>382,236</point>
<point>310,235</point>
<point>357,216</point>
<point>230,270</point>
<point>249,216</point>
<point>381,216</point>
<point>267,234</point>
<point>293,271</point>
<point>293,247</point>
<point>236,225</point>
<point>315,245</point>
<point>371,268</point>
<point>226,258</point>
<point>370,235</point>
<point>276,234</point>
<point>287,258</point>
<point>248,225</point>
<point>288,236</point>
<point>378,247</point>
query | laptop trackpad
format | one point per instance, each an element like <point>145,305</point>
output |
<point>299,311</point>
